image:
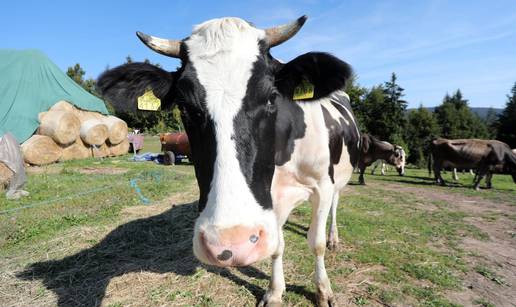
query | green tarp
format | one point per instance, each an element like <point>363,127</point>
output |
<point>29,84</point>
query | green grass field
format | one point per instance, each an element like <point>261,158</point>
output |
<point>86,237</point>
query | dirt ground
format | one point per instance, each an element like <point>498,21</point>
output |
<point>498,253</point>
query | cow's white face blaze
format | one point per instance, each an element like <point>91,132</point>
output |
<point>233,228</point>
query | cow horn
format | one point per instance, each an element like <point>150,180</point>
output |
<point>168,47</point>
<point>277,35</point>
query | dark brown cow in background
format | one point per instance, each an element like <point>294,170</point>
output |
<point>373,149</point>
<point>486,156</point>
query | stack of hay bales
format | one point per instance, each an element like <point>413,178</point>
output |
<point>67,133</point>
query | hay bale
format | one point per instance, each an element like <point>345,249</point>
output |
<point>63,106</point>
<point>117,129</point>
<point>5,176</point>
<point>120,149</point>
<point>40,150</point>
<point>62,126</point>
<point>88,115</point>
<point>76,151</point>
<point>94,132</point>
<point>100,151</point>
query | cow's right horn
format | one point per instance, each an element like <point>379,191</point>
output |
<point>279,34</point>
<point>168,47</point>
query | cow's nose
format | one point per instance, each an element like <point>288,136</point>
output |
<point>235,246</point>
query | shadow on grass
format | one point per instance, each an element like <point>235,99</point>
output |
<point>296,228</point>
<point>160,244</point>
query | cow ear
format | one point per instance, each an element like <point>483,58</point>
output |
<point>323,71</point>
<point>122,85</point>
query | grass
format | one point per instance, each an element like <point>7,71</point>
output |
<point>397,248</point>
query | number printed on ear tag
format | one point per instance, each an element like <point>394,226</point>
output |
<point>148,101</point>
<point>305,90</point>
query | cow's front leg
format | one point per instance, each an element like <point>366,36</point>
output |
<point>277,286</point>
<point>321,204</point>
<point>361,176</point>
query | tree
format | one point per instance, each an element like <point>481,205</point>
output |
<point>491,122</point>
<point>456,119</point>
<point>372,112</point>
<point>356,95</point>
<point>422,127</point>
<point>394,109</point>
<point>77,74</point>
<point>507,120</point>
<point>383,111</point>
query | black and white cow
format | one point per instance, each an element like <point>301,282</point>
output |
<point>257,152</point>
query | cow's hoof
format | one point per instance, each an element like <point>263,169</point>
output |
<point>270,300</point>
<point>326,299</point>
<point>333,245</point>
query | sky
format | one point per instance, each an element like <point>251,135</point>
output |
<point>434,47</point>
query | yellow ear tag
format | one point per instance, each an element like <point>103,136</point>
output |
<point>305,90</point>
<point>148,101</point>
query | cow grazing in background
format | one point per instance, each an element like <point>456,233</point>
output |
<point>486,156</point>
<point>257,152</point>
<point>373,149</point>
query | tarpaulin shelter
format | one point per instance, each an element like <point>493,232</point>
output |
<point>29,84</point>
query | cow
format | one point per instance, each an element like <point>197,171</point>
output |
<point>486,156</point>
<point>265,136</point>
<point>373,149</point>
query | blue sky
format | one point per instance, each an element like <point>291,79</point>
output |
<point>433,46</point>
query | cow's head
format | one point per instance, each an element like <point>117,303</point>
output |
<point>229,90</point>
<point>398,159</point>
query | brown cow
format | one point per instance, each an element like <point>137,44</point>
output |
<point>485,156</point>
<point>373,149</point>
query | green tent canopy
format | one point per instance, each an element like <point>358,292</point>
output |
<point>29,84</point>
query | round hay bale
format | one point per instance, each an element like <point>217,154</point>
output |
<point>76,151</point>
<point>117,129</point>
<point>40,150</point>
<point>62,126</point>
<point>5,175</point>
<point>94,132</point>
<point>120,149</point>
<point>63,106</point>
<point>100,151</point>
<point>88,115</point>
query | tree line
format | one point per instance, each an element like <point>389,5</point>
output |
<point>380,111</point>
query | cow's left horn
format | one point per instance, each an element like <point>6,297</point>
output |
<point>279,34</point>
<point>168,47</point>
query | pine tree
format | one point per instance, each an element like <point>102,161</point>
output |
<point>77,73</point>
<point>456,119</point>
<point>507,120</point>
<point>394,110</point>
<point>422,127</point>
<point>356,95</point>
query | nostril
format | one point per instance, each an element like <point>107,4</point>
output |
<point>253,238</point>
<point>225,255</point>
